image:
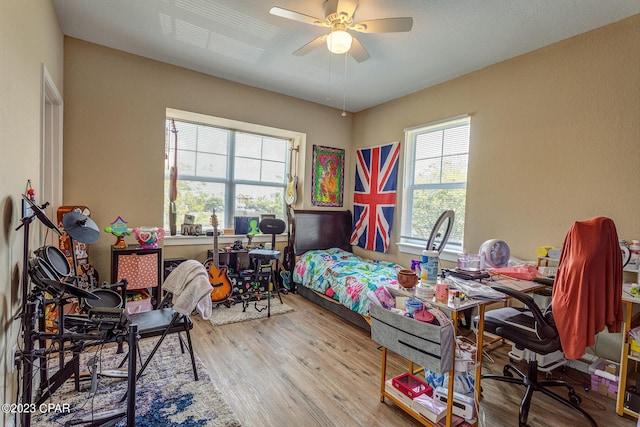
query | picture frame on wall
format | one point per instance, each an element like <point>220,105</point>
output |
<point>327,176</point>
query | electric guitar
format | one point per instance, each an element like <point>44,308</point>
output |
<point>291,193</point>
<point>218,275</point>
<point>173,182</point>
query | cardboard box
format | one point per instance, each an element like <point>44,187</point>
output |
<point>403,398</point>
<point>604,377</point>
<point>141,304</point>
<point>418,406</point>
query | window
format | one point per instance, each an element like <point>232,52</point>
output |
<point>235,172</point>
<point>436,158</point>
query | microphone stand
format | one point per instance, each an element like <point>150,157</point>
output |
<point>25,257</point>
<point>28,322</point>
<point>30,303</point>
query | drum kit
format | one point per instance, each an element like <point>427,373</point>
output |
<point>55,282</point>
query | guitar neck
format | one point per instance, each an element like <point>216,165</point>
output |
<point>215,247</point>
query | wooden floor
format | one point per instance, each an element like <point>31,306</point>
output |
<point>311,368</point>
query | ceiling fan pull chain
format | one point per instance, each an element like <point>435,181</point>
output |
<point>344,89</point>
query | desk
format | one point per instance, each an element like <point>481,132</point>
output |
<point>411,353</point>
<point>517,284</point>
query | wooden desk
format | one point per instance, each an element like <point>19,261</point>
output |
<point>455,312</point>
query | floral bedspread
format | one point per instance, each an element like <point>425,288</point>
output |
<point>345,277</point>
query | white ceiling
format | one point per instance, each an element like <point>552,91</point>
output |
<point>239,40</point>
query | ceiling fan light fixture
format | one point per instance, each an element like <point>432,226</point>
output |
<point>339,41</point>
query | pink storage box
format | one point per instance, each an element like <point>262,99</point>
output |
<point>140,305</point>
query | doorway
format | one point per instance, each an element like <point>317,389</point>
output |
<point>51,151</point>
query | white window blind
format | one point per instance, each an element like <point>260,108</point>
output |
<point>436,160</point>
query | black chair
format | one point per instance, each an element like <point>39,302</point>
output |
<point>258,257</point>
<point>160,323</point>
<point>192,280</point>
<point>528,328</point>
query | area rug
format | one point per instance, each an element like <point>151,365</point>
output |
<point>223,315</point>
<point>166,395</point>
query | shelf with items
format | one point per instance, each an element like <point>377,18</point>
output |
<point>631,268</point>
<point>431,346</point>
<point>543,261</point>
<point>142,268</point>
<point>628,354</point>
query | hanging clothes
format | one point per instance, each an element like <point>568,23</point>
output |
<point>588,285</point>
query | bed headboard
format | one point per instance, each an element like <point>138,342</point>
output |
<point>319,229</point>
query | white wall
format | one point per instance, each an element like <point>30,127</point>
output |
<point>30,37</point>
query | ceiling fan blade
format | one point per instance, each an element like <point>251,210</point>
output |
<point>295,16</point>
<point>358,51</point>
<point>385,25</point>
<point>348,7</point>
<point>330,7</point>
<point>311,45</point>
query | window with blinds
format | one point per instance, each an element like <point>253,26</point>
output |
<point>237,173</point>
<point>436,159</point>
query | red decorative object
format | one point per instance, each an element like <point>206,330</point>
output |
<point>411,386</point>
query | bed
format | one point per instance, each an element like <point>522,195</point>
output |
<point>327,272</point>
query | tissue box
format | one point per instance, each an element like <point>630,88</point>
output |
<point>429,408</point>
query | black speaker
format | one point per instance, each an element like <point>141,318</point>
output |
<point>272,226</point>
<point>632,399</point>
<point>170,264</point>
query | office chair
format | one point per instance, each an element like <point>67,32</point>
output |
<point>271,226</point>
<point>528,328</point>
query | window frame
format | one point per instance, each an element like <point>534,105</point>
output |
<point>233,127</point>
<point>410,244</point>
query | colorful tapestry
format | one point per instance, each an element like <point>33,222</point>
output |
<point>327,176</point>
<point>374,197</point>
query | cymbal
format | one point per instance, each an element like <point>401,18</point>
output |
<point>68,288</point>
<point>80,227</point>
<point>41,215</point>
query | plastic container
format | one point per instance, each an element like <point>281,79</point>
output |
<point>429,270</point>
<point>411,305</point>
<point>442,290</point>
<point>470,262</point>
<point>411,385</point>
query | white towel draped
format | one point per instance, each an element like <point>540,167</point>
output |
<point>189,283</point>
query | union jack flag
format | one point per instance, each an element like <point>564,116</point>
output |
<point>374,196</point>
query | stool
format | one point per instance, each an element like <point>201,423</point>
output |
<point>271,226</point>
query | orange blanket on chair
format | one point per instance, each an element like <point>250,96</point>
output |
<point>588,285</point>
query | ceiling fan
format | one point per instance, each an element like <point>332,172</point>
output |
<point>339,17</point>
